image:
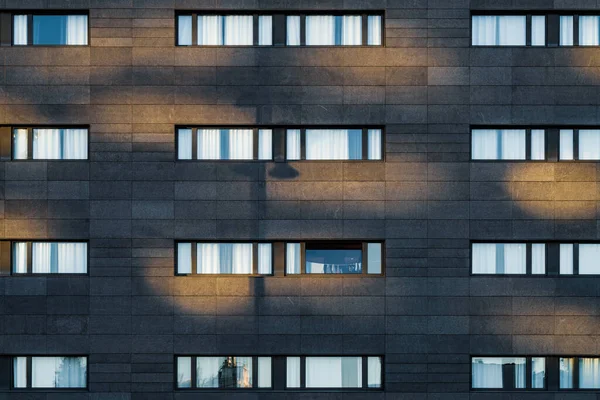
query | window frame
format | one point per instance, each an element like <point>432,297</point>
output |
<point>30,273</point>
<point>7,36</point>
<point>30,129</point>
<point>528,258</point>
<point>576,130</point>
<point>576,273</point>
<point>29,385</point>
<point>280,26</point>
<point>576,372</point>
<point>528,373</point>
<point>511,13</point>
<point>527,129</point>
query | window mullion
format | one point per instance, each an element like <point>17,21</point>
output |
<point>29,29</point>
<point>529,259</point>
<point>528,155</point>
<point>255,29</point>
<point>528,373</point>
<point>29,257</point>
<point>194,258</point>
<point>255,372</point>
<point>365,372</point>
<point>302,372</point>
<point>29,143</point>
<point>576,372</point>
<point>29,368</point>
<point>575,144</point>
<point>255,259</point>
<point>365,30</point>
<point>365,258</point>
<point>302,258</point>
<point>576,30</point>
<point>194,29</point>
<point>575,258</point>
<point>303,30</point>
<point>255,144</point>
<point>194,143</point>
<point>528,28</point>
<point>303,144</point>
<point>194,373</point>
<point>365,144</point>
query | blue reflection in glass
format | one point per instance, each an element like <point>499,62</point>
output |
<point>334,261</point>
<point>50,29</point>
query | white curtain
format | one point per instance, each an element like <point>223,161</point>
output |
<point>184,144</point>
<point>589,259</point>
<point>495,30</point>
<point>589,144</point>
<point>210,30</point>
<point>239,30</point>
<point>538,147</point>
<point>58,372</point>
<point>209,144</point>
<point>43,261</point>
<point>241,257</point>
<point>264,372</point>
<point>351,30</point>
<point>498,144</point>
<point>208,258</point>
<point>60,258</point>
<point>265,30</point>
<point>20,30</point>
<point>484,258</point>
<point>293,372</point>
<point>207,370</point>
<point>520,373</point>
<point>567,367</point>
<point>75,144</point>
<point>184,372</point>
<point>374,372</point>
<point>224,258</point>
<point>486,373</point>
<point>324,372</point>
<point>589,373</point>
<point>566,259</point>
<point>333,144</point>
<point>374,258</point>
<point>374,33</point>
<point>484,144</point>
<point>513,145</point>
<point>515,258</point>
<point>46,144</point>
<point>589,30</point>
<point>566,144</point>
<point>320,30</point>
<point>538,259</point>
<point>20,258</point>
<point>184,258</point>
<point>184,30</point>
<point>374,140</point>
<point>240,144</point>
<point>485,30</point>
<point>538,30</point>
<point>293,144</point>
<point>265,144</point>
<point>20,140</point>
<point>293,30</point>
<point>20,372</point>
<point>264,259</point>
<point>566,30</point>
<point>538,372</point>
<point>292,255</point>
<point>77,30</point>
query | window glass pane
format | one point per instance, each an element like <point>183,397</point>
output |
<point>331,260</point>
<point>567,367</point>
<point>59,258</point>
<point>374,372</point>
<point>499,258</point>
<point>293,372</point>
<point>588,30</point>
<point>333,144</point>
<point>566,259</point>
<point>184,258</point>
<point>60,144</point>
<point>184,144</point>
<point>240,144</point>
<point>58,372</point>
<point>184,30</point>
<point>351,30</point>
<point>484,258</point>
<point>264,259</point>
<point>210,30</point>
<point>538,30</point>
<point>333,372</point>
<point>265,30</point>
<point>209,144</point>
<point>566,144</point>
<point>589,373</point>
<point>320,30</point>
<point>589,144</point>
<point>515,258</point>
<point>224,372</point>
<point>374,255</point>
<point>224,258</point>
<point>293,144</point>
<point>20,258</point>
<point>494,30</point>
<point>538,258</point>
<point>538,372</point>
<point>488,372</point>
<point>20,29</point>
<point>512,145</point>
<point>60,29</point>
<point>484,144</point>
<point>264,372</point>
<point>207,372</point>
<point>239,30</point>
<point>589,259</point>
<point>374,144</point>
<point>292,256</point>
<point>265,144</point>
<point>538,147</point>
<point>20,372</point>
<point>20,140</point>
<point>293,30</point>
<point>566,30</point>
<point>184,372</point>
<point>374,34</point>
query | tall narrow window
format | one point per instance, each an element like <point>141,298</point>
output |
<point>538,30</point>
<point>265,30</point>
<point>375,31</point>
<point>49,30</point>
<point>589,30</point>
<point>184,30</point>
<point>499,30</point>
<point>50,372</point>
<point>50,258</point>
<point>293,30</point>
<point>566,30</point>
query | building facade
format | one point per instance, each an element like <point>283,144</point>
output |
<point>324,199</point>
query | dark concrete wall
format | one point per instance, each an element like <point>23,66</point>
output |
<point>131,200</point>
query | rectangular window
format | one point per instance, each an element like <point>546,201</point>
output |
<point>500,30</point>
<point>224,144</point>
<point>508,144</point>
<point>49,372</point>
<point>509,258</point>
<point>334,30</point>
<point>579,30</point>
<point>223,372</point>
<point>50,30</point>
<point>579,144</point>
<point>224,30</point>
<point>334,144</point>
<point>334,372</point>
<point>50,143</point>
<point>566,30</point>
<point>334,258</point>
<point>49,258</point>
<point>508,373</point>
<point>579,373</point>
<point>579,259</point>
<point>224,258</point>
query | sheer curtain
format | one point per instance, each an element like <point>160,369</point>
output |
<point>567,367</point>
<point>184,144</point>
<point>20,258</point>
<point>293,30</point>
<point>538,259</point>
<point>484,258</point>
<point>292,255</point>
<point>265,30</point>
<point>374,372</point>
<point>320,30</point>
<point>351,30</point>
<point>58,372</point>
<point>239,30</point>
<point>485,30</point>
<point>484,144</point>
<point>264,259</point>
<point>589,259</point>
<point>538,30</point>
<point>566,259</point>
<point>566,30</point>
<point>208,258</point>
<point>520,373</point>
<point>265,144</point>
<point>209,144</point>
<point>538,144</point>
<point>75,144</point>
<point>374,140</point>
<point>487,373</point>
<point>374,258</point>
<point>20,139</point>
<point>60,258</point>
<point>293,372</point>
<point>513,145</point>
<point>240,144</point>
<point>184,372</point>
<point>352,372</point>
<point>207,370</point>
<point>589,30</point>
<point>333,144</point>
<point>224,258</point>
<point>264,372</point>
<point>184,30</point>
<point>566,144</point>
<point>515,258</point>
<point>184,258</point>
<point>589,373</point>
<point>495,30</point>
<point>324,372</point>
<point>20,30</point>
<point>210,30</point>
<point>538,372</point>
<point>374,33</point>
<point>77,30</point>
<point>293,144</point>
<point>46,144</point>
<point>20,372</point>
<point>589,144</point>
